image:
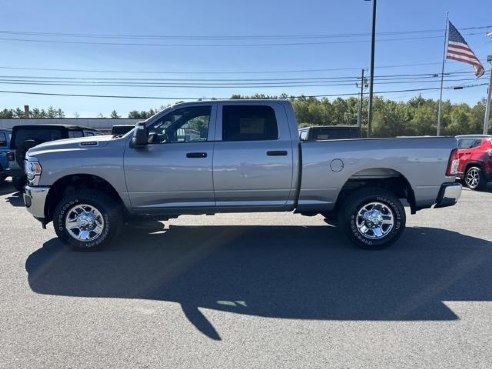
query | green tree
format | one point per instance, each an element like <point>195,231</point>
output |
<point>7,114</point>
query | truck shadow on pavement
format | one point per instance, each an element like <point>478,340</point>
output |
<point>15,197</point>
<point>290,272</point>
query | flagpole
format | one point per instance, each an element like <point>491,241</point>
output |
<point>489,98</point>
<point>439,112</point>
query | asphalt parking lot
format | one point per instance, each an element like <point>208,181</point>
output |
<point>253,291</point>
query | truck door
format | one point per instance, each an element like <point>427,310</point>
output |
<point>174,171</point>
<point>253,157</point>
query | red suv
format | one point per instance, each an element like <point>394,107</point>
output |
<point>475,154</point>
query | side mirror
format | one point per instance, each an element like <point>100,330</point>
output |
<point>140,135</point>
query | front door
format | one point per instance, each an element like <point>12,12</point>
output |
<point>174,171</point>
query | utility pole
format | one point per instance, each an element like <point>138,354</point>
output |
<point>359,113</point>
<point>371,85</point>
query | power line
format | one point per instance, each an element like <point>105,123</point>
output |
<point>216,85</point>
<point>225,37</point>
<point>213,72</point>
<point>201,98</point>
<point>340,78</point>
<point>265,44</point>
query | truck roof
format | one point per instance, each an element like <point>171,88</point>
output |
<point>52,125</point>
<point>241,101</point>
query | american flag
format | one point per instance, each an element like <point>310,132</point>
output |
<point>459,50</point>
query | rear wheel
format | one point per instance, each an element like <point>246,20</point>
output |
<point>87,220</point>
<point>474,178</point>
<point>372,218</point>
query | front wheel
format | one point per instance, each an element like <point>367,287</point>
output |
<point>372,218</point>
<point>87,220</point>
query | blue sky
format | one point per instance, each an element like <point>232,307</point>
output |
<point>199,49</point>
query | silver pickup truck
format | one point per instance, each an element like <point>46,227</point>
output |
<point>235,156</point>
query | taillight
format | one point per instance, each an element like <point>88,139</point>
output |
<point>10,156</point>
<point>453,163</point>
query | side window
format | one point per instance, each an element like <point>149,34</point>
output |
<point>3,139</point>
<point>182,125</point>
<point>465,143</point>
<point>248,123</point>
<point>476,143</point>
<point>75,134</point>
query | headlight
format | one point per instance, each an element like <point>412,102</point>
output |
<point>32,169</point>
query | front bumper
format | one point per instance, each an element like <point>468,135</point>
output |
<point>448,194</point>
<point>35,200</point>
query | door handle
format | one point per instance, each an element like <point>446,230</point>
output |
<point>196,155</point>
<point>277,153</point>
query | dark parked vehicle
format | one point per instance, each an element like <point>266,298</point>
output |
<point>475,154</point>
<point>121,129</point>
<point>26,136</point>
<point>4,148</point>
<point>319,133</point>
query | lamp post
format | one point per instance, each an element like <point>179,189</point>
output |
<point>487,107</point>
<point>371,77</point>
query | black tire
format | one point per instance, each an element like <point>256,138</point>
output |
<point>96,218</point>
<point>331,218</point>
<point>19,183</point>
<point>376,230</point>
<point>474,178</point>
<point>2,174</point>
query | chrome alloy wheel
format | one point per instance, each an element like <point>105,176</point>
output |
<point>375,220</point>
<point>472,177</point>
<point>84,222</point>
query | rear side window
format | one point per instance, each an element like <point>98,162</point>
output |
<point>39,135</point>
<point>477,143</point>
<point>249,123</point>
<point>469,143</point>
<point>75,134</point>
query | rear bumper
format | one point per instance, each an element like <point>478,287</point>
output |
<point>448,194</point>
<point>35,200</point>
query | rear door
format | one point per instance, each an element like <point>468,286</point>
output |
<point>465,151</point>
<point>253,157</point>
